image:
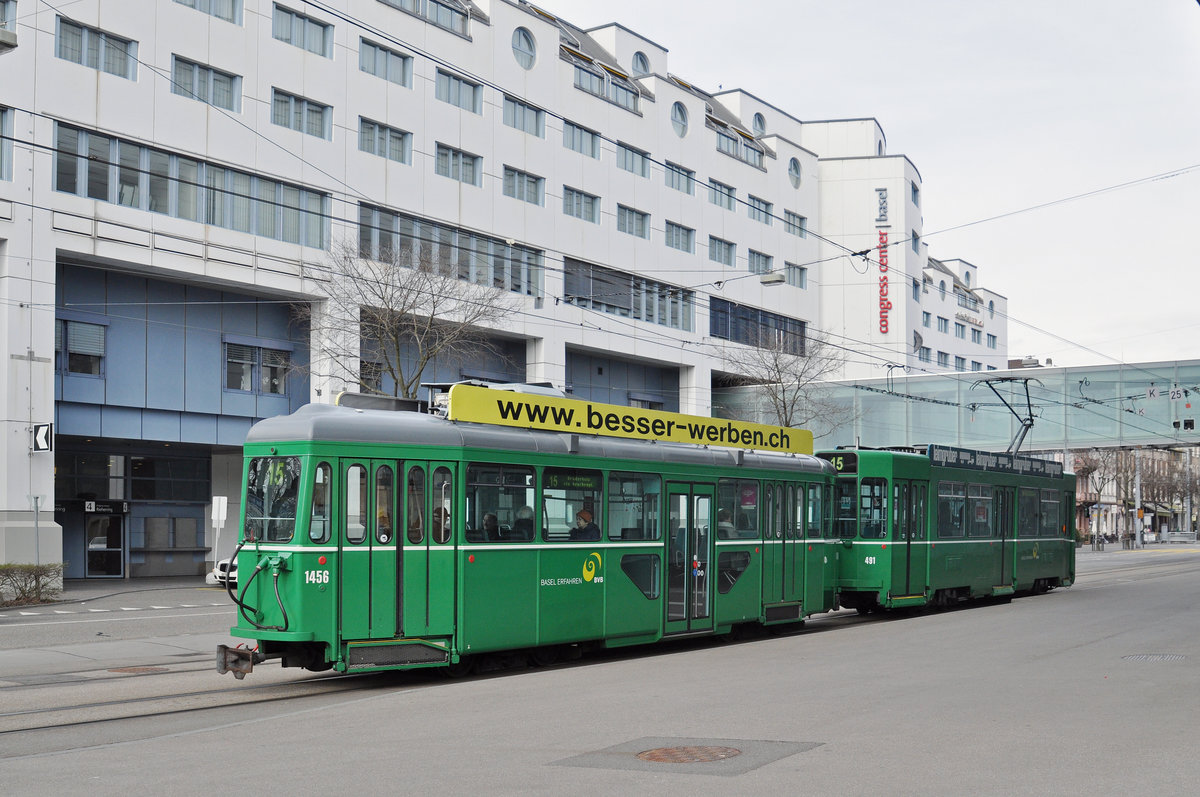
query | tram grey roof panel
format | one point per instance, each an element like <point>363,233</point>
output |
<point>323,422</point>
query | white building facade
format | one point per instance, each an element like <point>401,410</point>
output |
<point>173,175</point>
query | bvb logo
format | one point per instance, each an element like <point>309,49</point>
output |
<point>590,566</point>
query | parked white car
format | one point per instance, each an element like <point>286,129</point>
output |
<point>225,569</point>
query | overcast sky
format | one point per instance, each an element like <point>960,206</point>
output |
<point>1001,106</point>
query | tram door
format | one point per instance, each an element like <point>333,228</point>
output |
<point>1004,529</point>
<point>427,562</point>
<point>368,553</point>
<point>783,554</point>
<point>908,555</point>
<point>690,512</point>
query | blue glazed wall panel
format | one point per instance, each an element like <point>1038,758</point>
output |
<point>121,423</point>
<point>125,361</point>
<point>165,334</point>
<point>195,428</point>
<point>232,431</point>
<point>80,419</point>
<point>160,425</point>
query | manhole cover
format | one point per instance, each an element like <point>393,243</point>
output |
<point>1155,657</point>
<point>139,670</point>
<point>688,755</point>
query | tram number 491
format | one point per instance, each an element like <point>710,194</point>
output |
<point>316,576</point>
<point>870,560</point>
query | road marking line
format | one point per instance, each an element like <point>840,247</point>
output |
<point>115,619</point>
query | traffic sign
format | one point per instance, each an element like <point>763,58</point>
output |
<point>43,437</point>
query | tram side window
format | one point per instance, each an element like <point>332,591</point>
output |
<point>443,494</point>
<point>873,498</point>
<point>272,487</point>
<point>318,520</point>
<point>796,498</point>
<point>1027,513</point>
<point>415,506</point>
<point>357,500</point>
<point>497,497</point>
<point>737,508</point>
<point>981,510</point>
<point>384,511</point>
<point>571,500</point>
<point>952,509</point>
<point>1050,516</point>
<point>845,508</point>
<point>812,520</point>
<point>633,504</point>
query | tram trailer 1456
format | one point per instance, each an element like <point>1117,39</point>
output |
<point>388,540</point>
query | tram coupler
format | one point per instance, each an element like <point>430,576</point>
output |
<point>238,661</point>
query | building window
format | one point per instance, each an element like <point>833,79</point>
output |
<point>758,209</point>
<point>679,119</point>
<point>976,336</point>
<point>580,205</point>
<point>633,222</point>
<point>629,295</point>
<point>524,48</point>
<point>449,14</point>
<point>580,139</point>
<point>679,178</point>
<point>97,49</point>
<point>79,347</point>
<point>641,64</point>
<point>976,365</point>
<point>944,325</point>
<point>926,318</point>
<point>208,85</point>
<point>388,64</point>
<point>524,117</point>
<point>479,259</point>
<point>301,114</point>
<point>680,237</point>
<point>459,92</point>
<point>607,84</point>
<point>722,195</point>
<point>916,289</point>
<point>8,14</point>
<point>795,224</point>
<point>6,135</point>
<point>960,330</point>
<point>758,262</point>
<point>942,290</point>
<point>458,165</point>
<point>754,327</point>
<point>523,186</point>
<point>916,243</point>
<point>916,195</point>
<point>256,370</point>
<point>741,147</point>
<point>386,142</point>
<point>302,31</point>
<point>759,125</point>
<point>111,170</point>
<point>633,160</point>
<point>797,276</point>
<point>943,359</point>
<point>794,174</point>
<point>228,10</point>
<point>720,251</point>
<point>960,363</point>
<point>923,354</point>
<point>991,341</point>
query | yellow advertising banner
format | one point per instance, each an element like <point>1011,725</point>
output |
<point>533,411</point>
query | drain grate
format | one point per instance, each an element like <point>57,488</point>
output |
<point>1154,657</point>
<point>139,670</point>
<point>688,755</point>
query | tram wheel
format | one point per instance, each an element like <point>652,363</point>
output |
<point>464,667</point>
<point>863,611</point>
<point>544,657</point>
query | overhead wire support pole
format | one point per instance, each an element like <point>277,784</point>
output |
<point>1027,421</point>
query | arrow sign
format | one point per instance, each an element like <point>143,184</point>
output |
<point>43,437</point>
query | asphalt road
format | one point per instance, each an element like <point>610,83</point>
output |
<point>1090,690</point>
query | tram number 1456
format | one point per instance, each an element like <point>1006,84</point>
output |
<point>316,576</point>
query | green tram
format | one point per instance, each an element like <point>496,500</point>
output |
<point>940,525</point>
<point>389,539</point>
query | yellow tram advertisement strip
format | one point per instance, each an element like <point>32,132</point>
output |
<point>533,411</point>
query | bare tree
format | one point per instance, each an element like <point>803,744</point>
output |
<point>407,312</point>
<point>790,375</point>
<point>1096,469</point>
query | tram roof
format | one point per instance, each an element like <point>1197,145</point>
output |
<point>334,424</point>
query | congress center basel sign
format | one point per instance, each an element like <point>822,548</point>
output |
<point>532,411</point>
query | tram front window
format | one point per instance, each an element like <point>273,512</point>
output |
<point>272,485</point>
<point>845,520</point>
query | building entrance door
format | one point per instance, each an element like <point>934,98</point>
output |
<point>105,535</point>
